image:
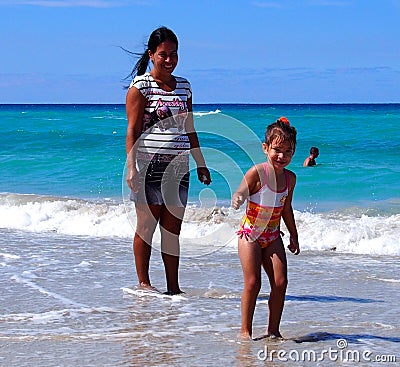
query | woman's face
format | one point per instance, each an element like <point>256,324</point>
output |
<point>165,58</point>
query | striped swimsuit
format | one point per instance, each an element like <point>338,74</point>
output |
<point>162,156</point>
<point>261,223</point>
<point>163,129</point>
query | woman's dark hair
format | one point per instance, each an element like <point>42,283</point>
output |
<point>157,37</point>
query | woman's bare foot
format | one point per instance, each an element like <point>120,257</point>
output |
<point>173,293</point>
<point>148,287</point>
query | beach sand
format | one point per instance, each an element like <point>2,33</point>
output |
<point>64,304</point>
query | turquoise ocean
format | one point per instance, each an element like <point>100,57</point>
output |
<point>66,266</point>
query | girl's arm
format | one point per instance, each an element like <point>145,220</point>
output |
<point>288,217</point>
<point>135,105</point>
<point>202,171</point>
<point>250,184</point>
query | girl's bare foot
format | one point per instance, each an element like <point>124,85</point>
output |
<point>276,335</point>
<point>244,337</point>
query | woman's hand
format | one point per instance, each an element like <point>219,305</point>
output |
<point>203,175</point>
<point>132,179</point>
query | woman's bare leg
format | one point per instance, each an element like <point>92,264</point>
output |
<point>147,218</point>
<point>170,226</point>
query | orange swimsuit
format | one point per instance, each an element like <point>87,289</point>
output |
<point>261,223</point>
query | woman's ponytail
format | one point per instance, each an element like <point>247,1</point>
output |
<point>141,66</point>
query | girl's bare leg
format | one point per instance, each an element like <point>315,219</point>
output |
<point>250,258</point>
<point>275,265</point>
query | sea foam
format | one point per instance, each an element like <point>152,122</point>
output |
<point>212,228</point>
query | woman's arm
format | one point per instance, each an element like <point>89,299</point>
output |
<point>202,171</point>
<point>135,104</point>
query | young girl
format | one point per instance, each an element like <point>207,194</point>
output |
<point>268,188</point>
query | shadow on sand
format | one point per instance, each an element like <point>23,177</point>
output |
<point>316,298</point>
<point>311,298</point>
<point>351,338</point>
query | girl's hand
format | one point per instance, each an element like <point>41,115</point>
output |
<point>132,179</point>
<point>294,246</point>
<point>237,200</point>
<point>203,174</point>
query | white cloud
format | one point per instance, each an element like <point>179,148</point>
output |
<point>328,3</point>
<point>291,4</point>
<point>267,4</point>
<point>67,3</point>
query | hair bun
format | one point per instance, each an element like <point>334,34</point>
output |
<point>284,120</point>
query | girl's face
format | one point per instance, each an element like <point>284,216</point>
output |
<point>279,153</point>
<point>165,58</point>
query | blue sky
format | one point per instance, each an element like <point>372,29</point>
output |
<point>265,51</point>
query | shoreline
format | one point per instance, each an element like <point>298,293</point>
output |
<point>212,104</point>
<point>72,302</point>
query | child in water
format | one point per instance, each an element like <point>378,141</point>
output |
<point>310,160</point>
<point>268,188</point>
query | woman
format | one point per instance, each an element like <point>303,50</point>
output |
<point>158,154</point>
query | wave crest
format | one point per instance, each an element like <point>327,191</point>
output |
<point>342,232</point>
